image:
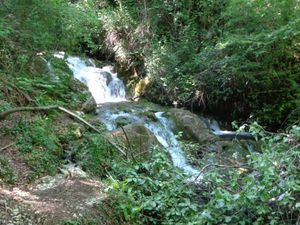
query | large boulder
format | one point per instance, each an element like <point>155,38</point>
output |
<point>191,126</point>
<point>89,106</point>
<point>137,139</point>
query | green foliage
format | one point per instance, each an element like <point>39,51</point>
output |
<point>95,155</point>
<point>43,25</point>
<point>7,173</point>
<point>29,27</point>
<point>264,83</point>
<point>268,193</point>
<point>154,192</point>
<point>39,146</point>
<point>214,54</point>
<point>263,191</point>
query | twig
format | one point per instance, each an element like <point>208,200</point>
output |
<point>6,147</point>
<point>4,114</point>
<point>141,153</point>
<point>201,171</point>
<point>219,165</point>
<point>129,144</point>
<point>26,96</point>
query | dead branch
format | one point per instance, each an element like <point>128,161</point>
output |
<point>4,114</point>
<point>219,165</point>
<point>127,139</point>
<point>6,147</point>
<point>18,90</point>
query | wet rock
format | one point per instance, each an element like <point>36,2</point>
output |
<point>89,106</point>
<point>136,137</point>
<point>191,125</point>
<point>107,77</point>
<point>123,121</point>
<point>229,153</point>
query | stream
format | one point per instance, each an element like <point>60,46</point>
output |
<point>108,89</point>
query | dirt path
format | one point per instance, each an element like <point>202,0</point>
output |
<point>51,200</point>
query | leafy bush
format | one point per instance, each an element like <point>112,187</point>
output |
<point>7,173</point>
<point>95,155</point>
<point>230,57</point>
<point>265,193</point>
<point>154,192</point>
<point>39,146</point>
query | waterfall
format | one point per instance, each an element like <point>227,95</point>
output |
<point>105,87</point>
<point>103,83</point>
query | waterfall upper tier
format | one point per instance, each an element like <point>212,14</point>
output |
<point>103,83</point>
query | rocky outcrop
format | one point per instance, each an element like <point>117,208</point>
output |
<point>191,125</point>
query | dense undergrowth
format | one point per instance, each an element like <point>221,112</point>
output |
<point>264,190</point>
<point>237,57</point>
<point>234,57</point>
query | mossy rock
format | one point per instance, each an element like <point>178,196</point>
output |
<point>90,105</point>
<point>229,153</point>
<point>137,139</point>
<point>192,126</point>
<point>39,65</point>
<point>149,115</point>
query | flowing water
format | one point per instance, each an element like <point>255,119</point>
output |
<point>163,131</point>
<point>164,134</point>
<point>103,83</point>
<point>213,125</point>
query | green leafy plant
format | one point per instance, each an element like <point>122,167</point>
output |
<point>267,193</point>
<point>7,173</point>
<point>39,146</point>
<point>154,192</point>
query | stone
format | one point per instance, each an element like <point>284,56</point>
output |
<point>191,125</point>
<point>123,121</point>
<point>229,153</point>
<point>89,106</point>
<point>140,139</point>
<point>107,76</point>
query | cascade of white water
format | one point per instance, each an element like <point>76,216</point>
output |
<point>167,138</point>
<point>103,83</point>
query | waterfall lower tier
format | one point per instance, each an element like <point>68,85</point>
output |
<point>162,130</point>
<point>167,138</point>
